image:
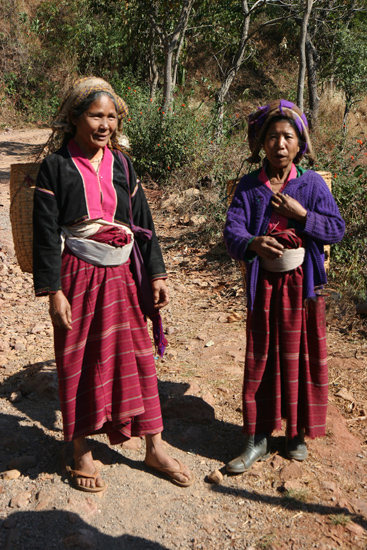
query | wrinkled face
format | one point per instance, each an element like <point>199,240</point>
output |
<point>96,125</point>
<point>281,145</point>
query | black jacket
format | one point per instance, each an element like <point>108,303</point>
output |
<point>59,200</point>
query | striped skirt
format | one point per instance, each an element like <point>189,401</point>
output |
<point>106,370</point>
<point>285,368</point>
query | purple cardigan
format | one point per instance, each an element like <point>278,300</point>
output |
<point>249,215</point>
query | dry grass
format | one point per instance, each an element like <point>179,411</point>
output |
<point>332,104</point>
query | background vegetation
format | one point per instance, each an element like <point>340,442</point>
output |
<point>191,72</point>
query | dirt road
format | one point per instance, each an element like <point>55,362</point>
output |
<point>278,505</point>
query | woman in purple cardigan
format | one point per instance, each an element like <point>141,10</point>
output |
<point>280,219</point>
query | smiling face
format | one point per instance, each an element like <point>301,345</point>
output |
<point>281,145</point>
<point>96,125</point>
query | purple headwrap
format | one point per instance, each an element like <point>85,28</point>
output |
<point>259,122</point>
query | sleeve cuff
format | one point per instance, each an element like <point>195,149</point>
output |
<point>249,255</point>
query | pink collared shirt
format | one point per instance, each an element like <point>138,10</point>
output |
<point>277,221</point>
<point>99,192</point>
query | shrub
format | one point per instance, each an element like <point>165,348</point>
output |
<point>161,142</point>
<point>349,257</point>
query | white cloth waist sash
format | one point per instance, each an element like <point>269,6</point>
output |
<point>93,252</point>
<point>292,258</point>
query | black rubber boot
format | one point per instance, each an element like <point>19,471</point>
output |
<point>295,448</point>
<point>256,448</point>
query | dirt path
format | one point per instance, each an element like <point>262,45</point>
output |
<point>278,505</point>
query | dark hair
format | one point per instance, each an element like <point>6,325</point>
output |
<point>87,102</point>
<point>278,118</point>
<point>82,107</point>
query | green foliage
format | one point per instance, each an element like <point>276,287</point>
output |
<point>29,79</point>
<point>339,519</point>
<point>296,494</point>
<point>61,40</point>
<point>222,18</point>
<point>161,142</point>
<point>97,32</point>
<point>349,257</point>
<point>349,66</point>
<point>31,93</point>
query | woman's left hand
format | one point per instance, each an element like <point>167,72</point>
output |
<point>289,207</point>
<point>160,293</point>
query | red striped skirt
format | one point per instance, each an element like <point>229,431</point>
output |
<point>107,376</point>
<point>285,368</point>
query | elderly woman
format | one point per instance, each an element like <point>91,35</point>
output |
<point>279,220</point>
<point>87,206</point>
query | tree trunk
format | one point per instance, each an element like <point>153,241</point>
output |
<point>171,42</point>
<point>348,106</point>
<point>312,62</point>
<point>178,53</point>
<point>167,78</point>
<point>231,73</point>
<point>153,69</point>
<point>302,54</point>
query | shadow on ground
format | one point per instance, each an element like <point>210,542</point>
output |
<point>205,436</point>
<point>289,503</point>
<point>23,434</point>
<point>20,151</point>
<point>59,530</point>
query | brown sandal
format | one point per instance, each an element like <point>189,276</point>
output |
<point>167,472</point>
<point>74,474</point>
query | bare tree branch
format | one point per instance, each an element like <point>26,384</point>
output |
<point>302,53</point>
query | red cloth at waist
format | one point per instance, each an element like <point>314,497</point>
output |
<point>114,236</point>
<point>289,238</point>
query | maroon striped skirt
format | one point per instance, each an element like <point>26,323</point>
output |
<point>106,370</point>
<point>285,368</point>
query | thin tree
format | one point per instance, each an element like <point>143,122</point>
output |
<point>171,41</point>
<point>153,69</point>
<point>302,53</point>
<point>237,62</point>
<point>312,64</point>
<point>240,56</point>
<point>325,20</point>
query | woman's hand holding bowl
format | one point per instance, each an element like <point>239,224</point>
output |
<point>266,247</point>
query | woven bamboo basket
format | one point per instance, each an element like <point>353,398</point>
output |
<point>327,179</point>
<point>22,184</point>
<point>231,188</point>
